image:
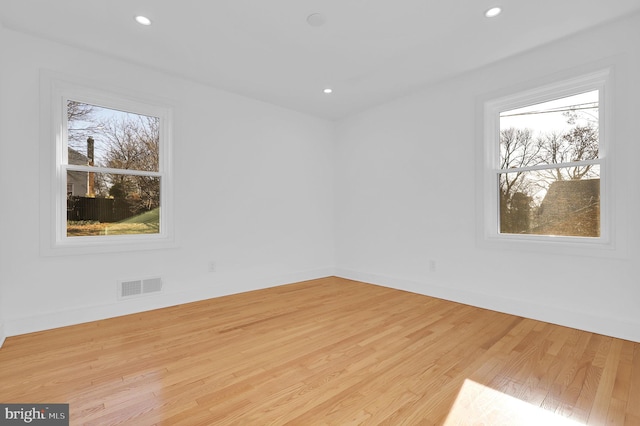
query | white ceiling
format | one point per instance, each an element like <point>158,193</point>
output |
<point>368,51</point>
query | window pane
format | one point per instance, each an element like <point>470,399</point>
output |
<point>551,202</point>
<point>559,131</point>
<point>107,137</point>
<point>121,204</point>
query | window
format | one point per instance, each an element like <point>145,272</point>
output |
<point>545,164</point>
<point>114,155</point>
<point>109,170</point>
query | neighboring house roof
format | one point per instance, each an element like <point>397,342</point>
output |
<point>78,158</point>
<point>571,207</point>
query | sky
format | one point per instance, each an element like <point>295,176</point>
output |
<point>539,118</point>
<point>100,114</point>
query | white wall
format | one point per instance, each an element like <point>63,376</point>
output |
<point>253,192</point>
<point>275,186</point>
<point>406,195</point>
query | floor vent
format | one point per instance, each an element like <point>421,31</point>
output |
<point>136,288</point>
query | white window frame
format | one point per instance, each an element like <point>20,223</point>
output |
<point>56,90</point>
<point>489,170</point>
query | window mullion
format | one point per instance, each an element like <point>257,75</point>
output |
<point>597,161</point>
<point>108,170</point>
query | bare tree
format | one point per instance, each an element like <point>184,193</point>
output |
<point>584,145</point>
<point>81,124</point>
<point>133,144</point>
<point>518,149</point>
<point>578,144</point>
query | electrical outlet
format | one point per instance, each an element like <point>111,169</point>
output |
<point>432,266</point>
<point>212,266</point>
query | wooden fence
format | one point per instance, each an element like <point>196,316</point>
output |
<point>100,209</point>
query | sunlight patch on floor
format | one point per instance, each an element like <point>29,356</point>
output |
<point>477,404</point>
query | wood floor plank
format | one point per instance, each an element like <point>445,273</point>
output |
<point>329,351</point>
<point>562,393</point>
<point>633,408</point>
<point>604,391</point>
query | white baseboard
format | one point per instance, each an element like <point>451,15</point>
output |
<point>96,312</point>
<point>581,320</point>
<point>614,327</point>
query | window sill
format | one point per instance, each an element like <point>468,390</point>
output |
<point>553,245</point>
<point>114,244</point>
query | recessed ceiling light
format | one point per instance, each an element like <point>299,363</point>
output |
<point>143,20</point>
<point>493,12</point>
<point>327,90</point>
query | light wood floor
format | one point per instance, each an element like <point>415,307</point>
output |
<point>328,351</point>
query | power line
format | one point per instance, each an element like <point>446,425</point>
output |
<point>577,107</point>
